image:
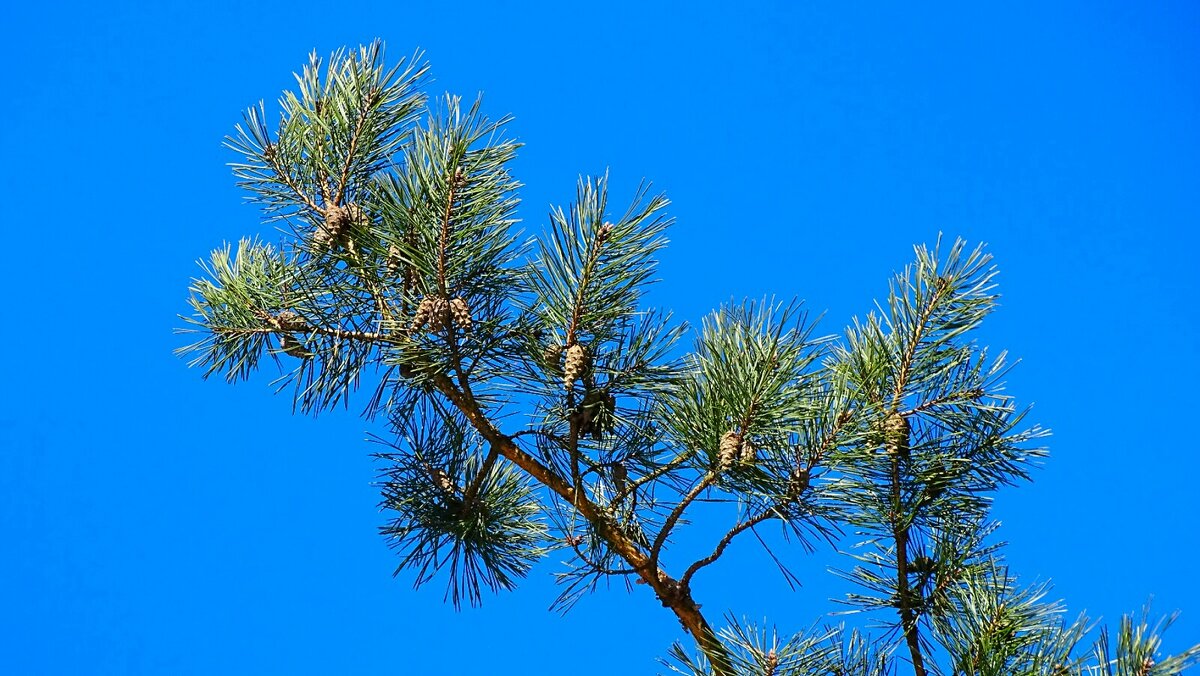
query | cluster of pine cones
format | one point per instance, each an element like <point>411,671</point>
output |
<point>440,314</point>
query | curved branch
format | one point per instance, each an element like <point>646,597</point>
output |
<point>686,580</point>
<point>677,513</point>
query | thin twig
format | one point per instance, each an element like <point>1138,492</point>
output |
<point>685,581</point>
<point>677,513</point>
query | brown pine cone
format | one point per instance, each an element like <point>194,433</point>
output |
<point>460,313</point>
<point>730,449</point>
<point>748,453</point>
<point>798,482</point>
<point>895,435</point>
<point>431,311</point>
<point>577,364</point>
<point>394,260</point>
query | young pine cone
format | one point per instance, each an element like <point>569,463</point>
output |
<point>442,481</point>
<point>460,313</point>
<point>895,436</point>
<point>394,261</point>
<point>292,347</point>
<point>798,482</point>
<point>289,321</point>
<point>730,449</point>
<point>577,364</point>
<point>772,662</point>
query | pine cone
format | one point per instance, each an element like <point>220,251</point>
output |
<point>338,220</point>
<point>730,449</point>
<point>442,480</point>
<point>922,565</point>
<point>460,313</point>
<point>895,436</point>
<point>460,177</point>
<point>939,482</point>
<point>393,260</point>
<point>289,321</point>
<point>595,413</point>
<point>553,356</point>
<point>748,453</point>
<point>620,477</point>
<point>798,482</point>
<point>577,364</point>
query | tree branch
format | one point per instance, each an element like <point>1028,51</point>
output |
<point>273,159</point>
<point>668,590</point>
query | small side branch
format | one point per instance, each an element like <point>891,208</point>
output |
<point>677,513</point>
<point>346,334</point>
<point>344,178</point>
<point>286,179</point>
<point>686,580</point>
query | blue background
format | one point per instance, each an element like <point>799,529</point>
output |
<point>156,523</point>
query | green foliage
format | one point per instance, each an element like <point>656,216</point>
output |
<point>488,539</point>
<point>828,651</point>
<point>535,405</point>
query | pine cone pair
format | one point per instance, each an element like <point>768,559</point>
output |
<point>735,448</point>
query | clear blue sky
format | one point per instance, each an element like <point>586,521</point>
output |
<point>153,523</point>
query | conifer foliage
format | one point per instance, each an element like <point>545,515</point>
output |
<point>532,406</point>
